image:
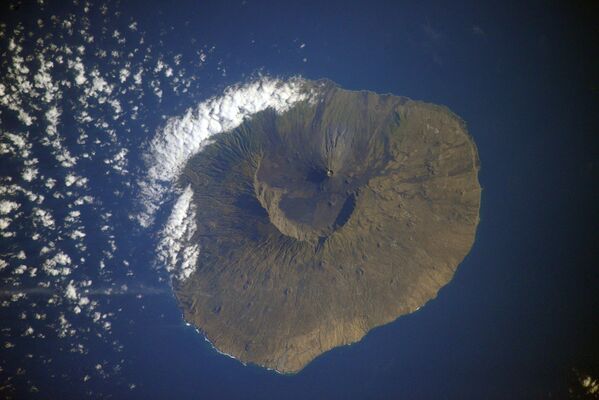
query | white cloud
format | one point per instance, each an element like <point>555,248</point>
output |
<point>43,80</point>
<point>50,182</point>
<point>77,234</point>
<point>83,200</point>
<point>19,141</point>
<point>20,269</point>
<point>137,78</point>
<point>72,217</point>
<point>173,249</point>
<point>70,291</point>
<point>59,258</point>
<point>99,84</point>
<point>64,157</point>
<point>124,74</point>
<point>119,161</point>
<point>159,66</point>
<point>184,136</point>
<point>189,261</point>
<point>72,179</point>
<point>79,69</point>
<point>25,118</point>
<point>43,217</point>
<point>65,326</point>
<point>4,223</point>
<point>62,258</point>
<point>29,174</point>
<point>52,116</point>
<point>7,206</point>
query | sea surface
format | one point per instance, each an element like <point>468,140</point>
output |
<point>519,318</point>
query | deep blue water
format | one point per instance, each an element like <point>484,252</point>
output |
<point>520,314</point>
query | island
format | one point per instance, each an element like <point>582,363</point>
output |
<point>320,223</point>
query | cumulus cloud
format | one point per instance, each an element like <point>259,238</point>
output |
<point>77,234</point>
<point>15,144</point>
<point>119,161</point>
<point>29,174</point>
<point>72,179</point>
<point>57,265</point>
<point>50,182</point>
<point>184,136</point>
<point>70,291</point>
<point>79,69</point>
<point>43,217</point>
<point>46,196</point>
<point>20,269</point>
<point>7,206</point>
<point>173,249</point>
<point>52,117</point>
<point>4,223</point>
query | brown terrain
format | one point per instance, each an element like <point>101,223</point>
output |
<point>324,222</point>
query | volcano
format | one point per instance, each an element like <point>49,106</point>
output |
<point>322,222</point>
